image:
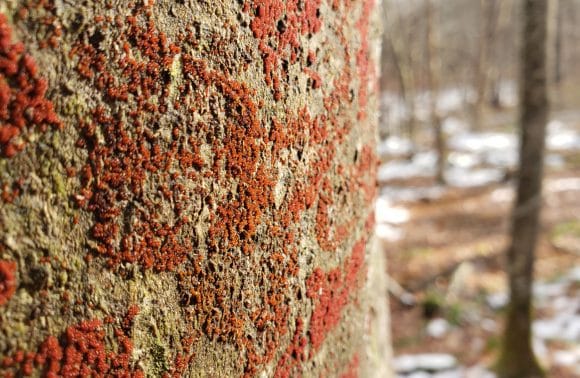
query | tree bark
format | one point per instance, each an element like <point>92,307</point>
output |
<point>187,189</point>
<point>433,72</point>
<point>487,33</point>
<point>517,358</point>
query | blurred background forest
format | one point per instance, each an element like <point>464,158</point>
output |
<point>449,156</point>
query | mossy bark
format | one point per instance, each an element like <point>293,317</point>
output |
<point>187,188</point>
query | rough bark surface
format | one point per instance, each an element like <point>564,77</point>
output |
<point>187,188</point>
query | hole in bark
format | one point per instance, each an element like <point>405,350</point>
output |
<point>96,39</point>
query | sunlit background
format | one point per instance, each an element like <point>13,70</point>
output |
<point>449,156</point>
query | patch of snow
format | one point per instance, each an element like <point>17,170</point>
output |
<point>411,194</point>
<point>428,362</point>
<point>419,374</point>
<point>507,158</point>
<point>561,327</point>
<point>508,93</point>
<point>489,325</point>
<point>464,160</point>
<point>497,300</point>
<point>482,142</point>
<point>555,161</point>
<point>548,329</point>
<point>451,99</point>
<point>574,274</point>
<point>564,140</point>
<point>500,195</point>
<point>540,348</point>
<point>544,290</point>
<point>563,184</point>
<point>565,304</point>
<point>566,357</point>
<point>422,165</point>
<point>452,125</point>
<point>388,232</point>
<point>395,146</point>
<point>479,372</point>
<point>572,329</point>
<point>437,328</point>
<point>457,373</point>
<point>464,178</point>
<point>555,125</point>
<point>385,212</point>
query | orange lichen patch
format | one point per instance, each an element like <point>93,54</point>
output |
<point>9,192</point>
<point>82,351</point>
<point>278,26</point>
<point>294,354</point>
<point>131,155</point>
<point>23,105</point>
<point>330,293</point>
<point>7,280</point>
<point>181,168</point>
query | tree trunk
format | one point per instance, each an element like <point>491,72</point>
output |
<point>405,76</point>
<point>517,359</point>
<point>554,46</point>
<point>484,69</point>
<point>187,189</point>
<point>433,71</point>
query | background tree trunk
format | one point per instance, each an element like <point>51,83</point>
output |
<point>484,68</point>
<point>517,359</point>
<point>433,72</point>
<point>187,189</point>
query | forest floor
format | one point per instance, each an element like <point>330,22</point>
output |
<point>446,250</point>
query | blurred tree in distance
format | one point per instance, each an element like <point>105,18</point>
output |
<point>517,358</point>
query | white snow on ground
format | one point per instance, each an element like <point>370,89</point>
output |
<point>468,178</point>
<point>503,195</point>
<point>454,125</point>
<point>385,212</point>
<point>428,361</point>
<point>422,165</point>
<point>478,159</point>
<point>411,194</point>
<point>395,146</point>
<point>563,140</point>
<point>482,142</point>
<point>389,218</point>
<point>464,160</point>
<point>563,184</point>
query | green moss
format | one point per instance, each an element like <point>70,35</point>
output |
<point>432,303</point>
<point>570,228</point>
<point>454,314</point>
<point>159,357</point>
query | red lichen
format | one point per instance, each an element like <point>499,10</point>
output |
<point>23,106</point>
<point>278,26</point>
<point>81,351</point>
<point>9,192</point>
<point>150,188</point>
<point>330,292</point>
<point>7,280</point>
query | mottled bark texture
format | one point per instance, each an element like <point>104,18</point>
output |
<point>517,359</point>
<point>187,188</point>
